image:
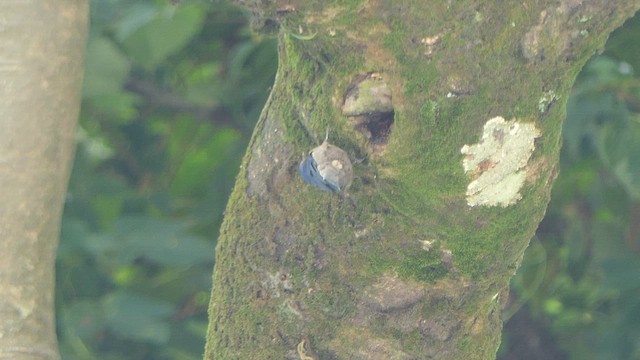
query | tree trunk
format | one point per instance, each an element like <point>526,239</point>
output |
<point>451,113</point>
<point>42,44</point>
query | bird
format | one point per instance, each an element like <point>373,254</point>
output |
<point>327,167</point>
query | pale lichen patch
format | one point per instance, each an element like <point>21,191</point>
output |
<point>427,244</point>
<point>496,163</point>
<point>546,100</point>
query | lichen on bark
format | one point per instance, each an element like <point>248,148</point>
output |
<point>497,163</point>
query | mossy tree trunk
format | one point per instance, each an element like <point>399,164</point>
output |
<point>41,64</point>
<point>452,113</point>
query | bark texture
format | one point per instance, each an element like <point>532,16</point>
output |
<point>41,62</point>
<point>452,113</point>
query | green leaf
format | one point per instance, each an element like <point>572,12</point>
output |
<point>84,318</point>
<point>136,317</point>
<point>106,246</point>
<point>73,236</point>
<point>163,36</point>
<point>200,161</point>
<point>618,143</point>
<point>106,68</point>
<point>134,17</point>
<point>163,241</point>
<point>621,274</point>
<point>623,43</point>
<point>107,207</point>
<point>120,106</point>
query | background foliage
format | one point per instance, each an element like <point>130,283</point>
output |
<point>580,279</point>
<point>171,95</point>
<point>172,91</point>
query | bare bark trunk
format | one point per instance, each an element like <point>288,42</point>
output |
<point>454,110</point>
<point>41,62</point>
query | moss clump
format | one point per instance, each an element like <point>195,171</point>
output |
<point>424,266</point>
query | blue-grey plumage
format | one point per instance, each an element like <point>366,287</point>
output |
<point>327,167</point>
<point>309,173</point>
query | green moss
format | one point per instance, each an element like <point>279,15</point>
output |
<point>426,266</point>
<point>308,110</point>
<point>427,178</point>
<point>412,341</point>
<point>410,262</point>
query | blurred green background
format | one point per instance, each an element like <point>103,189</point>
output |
<point>172,92</point>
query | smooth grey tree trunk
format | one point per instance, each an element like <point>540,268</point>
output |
<point>41,64</point>
<point>452,114</point>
